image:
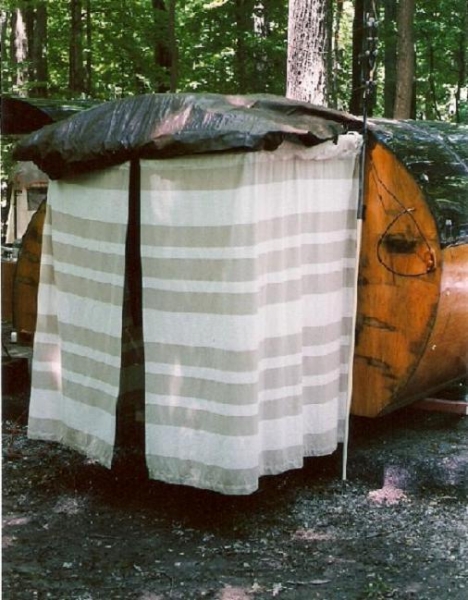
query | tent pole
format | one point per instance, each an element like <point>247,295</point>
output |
<point>370,54</point>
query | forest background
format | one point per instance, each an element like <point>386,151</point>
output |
<point>106,49</point>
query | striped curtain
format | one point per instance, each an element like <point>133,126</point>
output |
<point>77,345</point>
<point>248,266</point>
<point>248,285</point>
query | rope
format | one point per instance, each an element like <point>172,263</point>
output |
<point>405,211</point>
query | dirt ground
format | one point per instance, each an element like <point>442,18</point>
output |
<point>397,528</point>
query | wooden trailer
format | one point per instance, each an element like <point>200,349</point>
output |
<point>20,278</point>
<point>412,311</point>
<point>412,321</point>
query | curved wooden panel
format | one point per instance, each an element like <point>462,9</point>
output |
<point>446,355</point>
<point>399,281</point>
<point>27,276</point>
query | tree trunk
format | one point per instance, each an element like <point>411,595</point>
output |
<point>405,60</point>
<point>165,45</point>
<point>173,45</point>
<point>335,54</point>
<point>39,67</point>
<point>242,16</point>
<point>89,50</point>
<point>432,110</point>
<point>19,51</point>
<point>461,59</point>
<point>357,93</point>
<point>308,44</point>
<point>77,72</point>
<point>390,56</point>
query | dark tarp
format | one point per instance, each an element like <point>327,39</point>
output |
<point>436,155</point>
<point>167,125</point>
<point>20,116</point>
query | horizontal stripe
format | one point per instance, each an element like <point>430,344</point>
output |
<point>201,420</point>
<point>250,234</point>
<point>233,451</point>
<point>307,259</point>
<point>276,166</point>
<point>244,304</point>
<point>89,338</point>
<point>211,406</point>
<point>223,392</point>
<point>242,360</point>
<point>82,393</point>
<point>80,258</point>
<point>284,401</point>
<point>102,192</point>
<point>90,314</point>
<point>256,202</point>
<point>101,231</point>
<point>312,392</point>
<point>82,287</point>
<point>199,388</point>
<point>254,372</point>
<point>54,430</point>
<point>47,377</point>
<point>95,385</point>
<point>233,420</point>
<point>79,355</point>
<point>59,272</point>
<point>105,369</point>
<point>115,247</point>
<point>202,476</point>
<point>90,418</point>
<point>230,331</point>
<point>239,252</point>
<point>251,283</point>
<point>56,405</point>
<point>50,430</point>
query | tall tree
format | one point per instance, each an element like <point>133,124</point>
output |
<point>364,75</point>
<point>356,103</point>
<point>308,45</point>
<point>336,56</point>
<point>39,72</point>
<point>89,53</point>
<point>405,60</point>
<point>164,48</point>
<point>243,20</point>
<point>76,63</point>
<point>388,32</point>
<point>19,51</point>
<point>461,60</point>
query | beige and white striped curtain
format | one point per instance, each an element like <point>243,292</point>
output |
<point>249,264</point>
<point>77,345</point>
<point>248,294</point>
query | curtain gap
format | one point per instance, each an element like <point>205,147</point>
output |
<point>130,426</point>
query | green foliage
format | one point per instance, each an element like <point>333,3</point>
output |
<point>231,46</point>
<point>441,34</point>
<point>212,35</point>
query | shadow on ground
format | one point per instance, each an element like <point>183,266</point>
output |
<point>397,528</point>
